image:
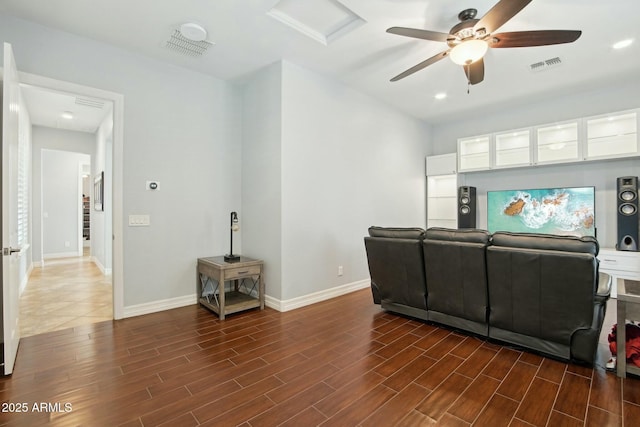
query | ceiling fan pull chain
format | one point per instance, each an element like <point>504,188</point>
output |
<point>468,65</point>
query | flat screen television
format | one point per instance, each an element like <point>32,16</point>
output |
<point>562,211</point>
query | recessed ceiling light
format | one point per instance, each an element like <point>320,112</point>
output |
<point>67,115</point>
<point>441,95</point>
<point>623,43</point>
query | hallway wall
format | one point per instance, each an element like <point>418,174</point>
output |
<point>181,128</point>
<point>63,141</point>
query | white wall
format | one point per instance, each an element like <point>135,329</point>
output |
<point>348,162</point>
<point>602,175</point>
<point>45,138</point>
<point>604,99</point>
<point>60,202</point>
<point>326,162</point>
<point>181,128</point>
<point>261,214</point>
<point>101,230</point>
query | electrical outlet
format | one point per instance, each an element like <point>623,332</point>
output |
<point>340,270</point>
<point>67,244</point>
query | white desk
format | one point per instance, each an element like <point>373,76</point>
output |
<point>628,306</point>
<point>619,265</point>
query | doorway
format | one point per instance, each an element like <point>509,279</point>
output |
<point>109,157</point>
<point>66,288</point>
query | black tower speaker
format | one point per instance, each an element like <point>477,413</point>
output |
<point>466,207</point>
<point>628,219</point>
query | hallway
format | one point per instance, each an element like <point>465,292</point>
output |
<point>67,292</point>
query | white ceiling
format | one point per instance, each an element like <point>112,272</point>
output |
<point>246,38</point>
<point>47,108</point>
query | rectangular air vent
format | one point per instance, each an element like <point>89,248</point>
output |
<point>89,102</point>
<point>546,64</point>
<point>179,43</point>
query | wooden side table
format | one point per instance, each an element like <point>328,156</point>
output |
<point>245,279</point>
<point>628,306</point>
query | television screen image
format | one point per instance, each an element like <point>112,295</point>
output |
<point>562,211</point>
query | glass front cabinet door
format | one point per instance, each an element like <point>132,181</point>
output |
<point>513,148</point>
<point>474,153</point>
<point>557,143</point>
<point>612,135</point>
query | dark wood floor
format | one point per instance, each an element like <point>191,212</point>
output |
<point>339,362</point>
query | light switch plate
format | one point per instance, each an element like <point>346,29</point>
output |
<point>139,221</point>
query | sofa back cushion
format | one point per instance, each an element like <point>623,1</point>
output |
<point>455,266</point>
<point>550,242</point>
<point>397,232</point>
<point>541,286</point>
<point>396,265</point>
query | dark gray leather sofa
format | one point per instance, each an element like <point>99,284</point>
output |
<point>396,266</point>
<point>544,293</point>
<point>456,278</point>
<point>540,292</point>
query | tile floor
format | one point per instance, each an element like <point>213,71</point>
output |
<point>65,293</point>
<point>340,362</point>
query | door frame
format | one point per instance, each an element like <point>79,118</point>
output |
<point>117,172</point>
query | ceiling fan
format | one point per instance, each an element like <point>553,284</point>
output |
<point>469,40</point>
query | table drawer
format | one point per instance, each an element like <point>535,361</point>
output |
<point>236,273</point>
<point>619,261</point>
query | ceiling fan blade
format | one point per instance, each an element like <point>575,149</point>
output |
<point>500,13</point>
<point>419,34</point>
<point>533,38</point>
<point>474,72</point>
<point>420,66</point>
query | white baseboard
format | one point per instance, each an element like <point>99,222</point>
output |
<point>61,255</point>
<point>25,279</point>
<point>315,297</point>
<point>168,304</point>
<point>161,305</point>
<point>105,271</point>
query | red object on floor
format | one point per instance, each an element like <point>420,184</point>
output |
<point>633,343</point>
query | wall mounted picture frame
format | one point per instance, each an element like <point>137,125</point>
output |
<point>98,192</point>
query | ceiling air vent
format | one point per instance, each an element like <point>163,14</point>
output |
<point>186,46</point>
<point>546,64</point>
<point>90,102</point>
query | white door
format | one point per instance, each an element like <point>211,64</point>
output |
<point>10,249</point>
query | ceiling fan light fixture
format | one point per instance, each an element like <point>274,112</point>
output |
<point>468,51</point>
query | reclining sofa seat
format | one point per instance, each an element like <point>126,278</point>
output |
<point>455,263</point>
<point>544,293</point>
<point>396,267</point>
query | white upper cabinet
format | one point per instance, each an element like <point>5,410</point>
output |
<point>513,148</point>
<point>474,153</point>
<point>613,135</point>
<point>442,164</point>
<point>608,136</point>
<point>557,143</point>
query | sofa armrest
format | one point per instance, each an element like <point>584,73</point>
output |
<point>604,286</point>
